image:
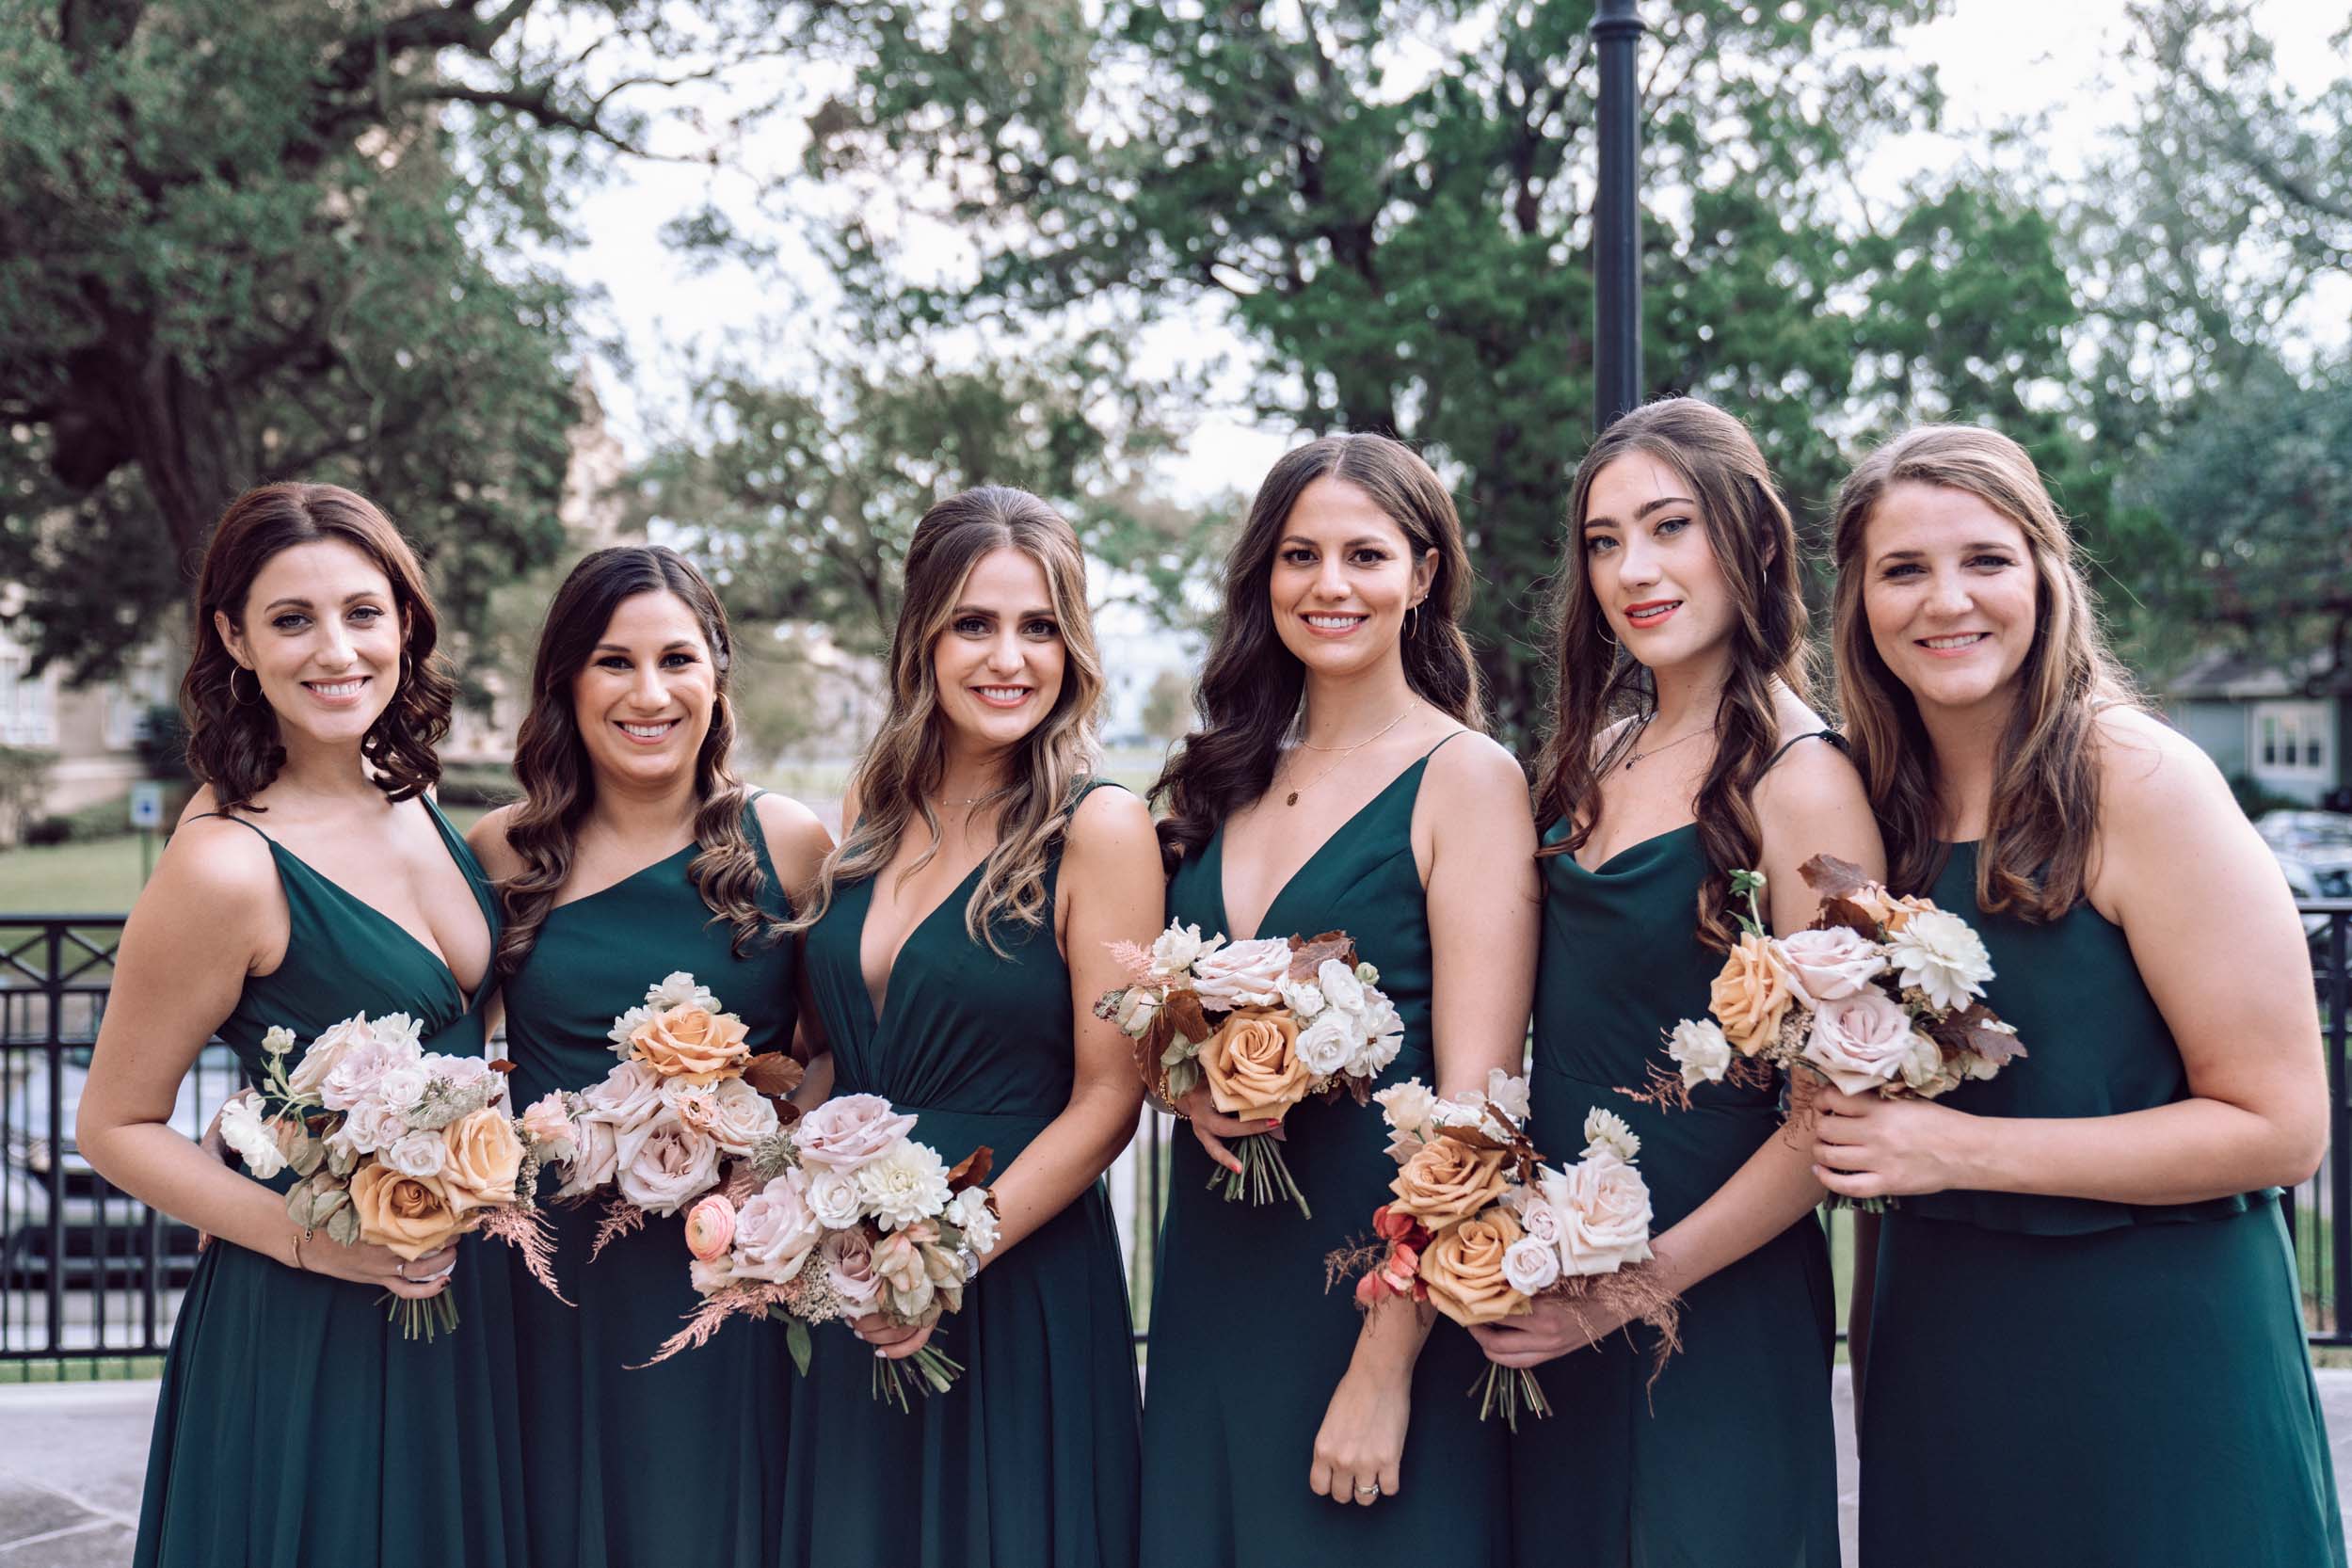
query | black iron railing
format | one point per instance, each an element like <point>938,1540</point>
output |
<point>90,1273</point>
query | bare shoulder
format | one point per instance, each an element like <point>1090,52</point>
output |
<point>2155,784</point>
<point>1475,770</point>
<point>1814,772</point>
<point>1113,825</point>
<point>488,838</point>
<point>794,833</point>
<point>220,868</point>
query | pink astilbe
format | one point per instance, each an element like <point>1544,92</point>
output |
<point>526,1232</point>
<point>621,1218</point>
<point>1136,961</point>
<point>715,1309</point>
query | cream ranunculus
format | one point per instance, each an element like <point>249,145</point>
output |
<point>1753,993</point>
<point>1446,1181</point>
<point>1253,1067</point>
<point>1832,963</point>
<point>1603,1207</point>
<point>412,1215</point>
<point>485,1156</point>
<point>1463,1270</point>
<point>1242,975</point>
<point>1860,1042</point>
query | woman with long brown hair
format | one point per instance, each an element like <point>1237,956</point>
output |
<point>958,940</point>
<point>1339,780</point>
<point>1682,749</point>
<point>310,879</point>
<point>2087,1281</point>
<point>636,852</point>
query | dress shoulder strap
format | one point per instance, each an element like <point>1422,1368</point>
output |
<point>1442,740</point>
<point>239,821</point>
<point>1830,735</point>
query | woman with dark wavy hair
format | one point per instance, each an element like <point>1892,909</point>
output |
<point>310,879</point>
<point>2142,1378</point>
<point>636,852</point>
<point>1339,778</point>
<point>956,944</point>
<point>1682,749</point>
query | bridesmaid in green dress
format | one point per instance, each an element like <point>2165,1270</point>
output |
<point>1337,780</point>
<point>1683,749</point>
<point>636,852</point>
<point>956,944</point>
<point>2086,1345</point>
<point>309,880</point>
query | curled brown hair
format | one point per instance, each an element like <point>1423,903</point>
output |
<point>1251,687</point>
<point>1598,683</point>
<point>2036,846</point>
<point>234,746</point>
<point>906,761</point>
<point>559,783</point>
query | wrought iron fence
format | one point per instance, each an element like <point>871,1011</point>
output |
<point>88,1272</point>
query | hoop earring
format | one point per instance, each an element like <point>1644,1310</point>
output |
<point>235,670</point>
<point>1412,620</point>
<point>1603,627</point>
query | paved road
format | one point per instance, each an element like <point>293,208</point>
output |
<point>72,1456</point>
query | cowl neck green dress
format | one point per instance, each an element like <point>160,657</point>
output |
<point>296,1425</point>
<point>1029,1460</point>
<point>1729,1460</point>
<point>2132,1380</point>
<point>1247,1344</point>
<point>602,1485</point>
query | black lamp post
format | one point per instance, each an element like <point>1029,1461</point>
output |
<point>1617,216</point>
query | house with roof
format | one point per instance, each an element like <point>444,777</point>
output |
<point>2280,725</point>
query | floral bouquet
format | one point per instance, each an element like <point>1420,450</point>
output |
<point>1481,1228</point>
<point>841,1216</point>
<point>396,1146</point>
<point>1267,1023</point>
<point>687,1094</point>
<point>1877,996</point>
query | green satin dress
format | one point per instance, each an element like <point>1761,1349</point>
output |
<point>1246,1343</point>
<point>1729,1461</point>
<point>2062,1382</point>
<point>607,1480</point>
<point>1029,1460</point>
<point>297,1426</point>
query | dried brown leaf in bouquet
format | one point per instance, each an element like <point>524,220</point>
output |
<point>972,1170</point>
<point>1309,953</point>
<point>1976,1030</point>
<point>1830,878</point>
<point>1185,1015</point>
<point>774,1073</point>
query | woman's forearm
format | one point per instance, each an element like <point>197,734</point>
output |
<point>162,1169</point>
<point>1065,1160</point>
<point>2186,1152</point>
<point>1770,1192</point>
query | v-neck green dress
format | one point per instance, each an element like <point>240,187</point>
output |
<point>296,1425</point>
<point>1729,1461</point>
<point>2132,1379</point>
<point>1247,1344</point>
<point>1029,1460</point>
<point>628,1464</point>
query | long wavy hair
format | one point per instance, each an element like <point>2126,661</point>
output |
<point>1250,691</point>
<point>559,783</point>
<point>905,762</point>
<point>2037,847</point>
<point>1597,682</point>
<point>234,746</point>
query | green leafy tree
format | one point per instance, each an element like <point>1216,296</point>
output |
<point>249,239</point>
<point>1390,199</point>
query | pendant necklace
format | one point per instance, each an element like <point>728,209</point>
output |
<point>1292,798</point>
<point>1670,745</point>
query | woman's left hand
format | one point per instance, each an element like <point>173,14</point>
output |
<point>1360,1451</point>
<point>1864,1146</point>
<point>893,1341</point>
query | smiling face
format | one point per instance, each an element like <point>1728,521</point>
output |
<point>321,631</point>
<point>1344,575</point>
<point>1950,594</point>
<point>643,702</point>
<point>1652,567</point>
<point>999,660</point>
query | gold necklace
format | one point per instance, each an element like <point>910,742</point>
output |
<point>1670,745</point>
<point>1292,798</point>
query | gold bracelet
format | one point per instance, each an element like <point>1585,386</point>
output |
<point>299,1264</point>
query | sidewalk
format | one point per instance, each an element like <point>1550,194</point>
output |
<point>73,1456</point>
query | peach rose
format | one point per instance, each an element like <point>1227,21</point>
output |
<point>412,1215</point>
<point>1446,1181</point>
<point>692,1042</point>
<point>484,1158</point>
<point>1753,994</point>
<point>1462,1270</point>
<point>1252,1065</point>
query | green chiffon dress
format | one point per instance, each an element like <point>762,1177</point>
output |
<point>1029,1460</point>
<point>297,1426</point>
<point>631,1464</point>
<point>2063,1382</point>
<point>1729,1460</point>
<point>1247,1344</point>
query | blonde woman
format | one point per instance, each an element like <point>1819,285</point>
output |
<point>2085,1296</point>
<point>956,942</point>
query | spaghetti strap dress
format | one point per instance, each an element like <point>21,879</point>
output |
<point>296,1425</point>
<point>602,1478</point>
<point>1247,1341</point>
<point>1029,1459</point>
<point>2131,1378</point>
